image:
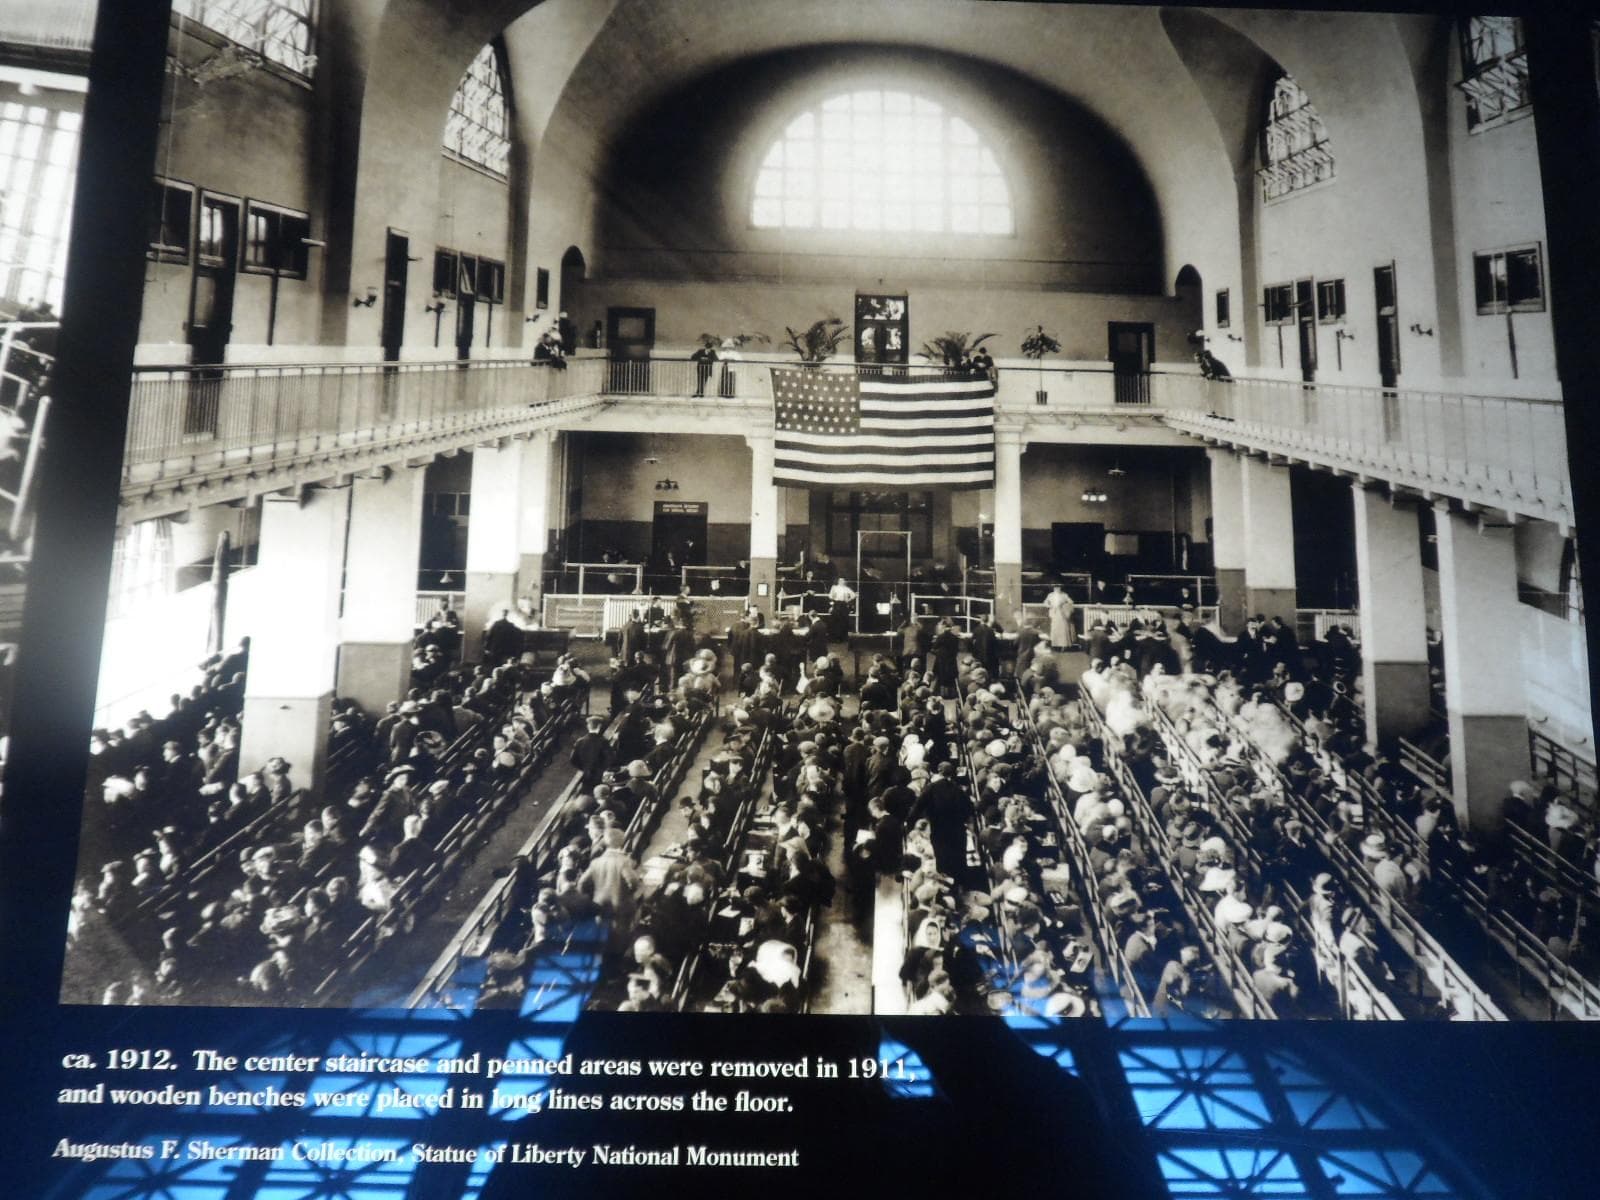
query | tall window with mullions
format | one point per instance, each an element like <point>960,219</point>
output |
<point>1494,70</point>
<point>280,31</point>
<point>478,129</point>
<point>38,158</point>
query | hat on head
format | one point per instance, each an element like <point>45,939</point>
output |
<point>638,770</point>
<point>1374,845</point>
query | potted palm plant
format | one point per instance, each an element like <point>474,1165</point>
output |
<point>1035,345</point>
<point>820,341</point>
<point>953,348</point>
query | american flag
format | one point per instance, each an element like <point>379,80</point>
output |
<point>841,430</point>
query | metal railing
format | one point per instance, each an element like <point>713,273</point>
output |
<point>1565,767</point>
<point>194,419</point>
<point>1498,448</point>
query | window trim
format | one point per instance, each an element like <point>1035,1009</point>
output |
<point>1224,308</point>
<point>1476,76</point>
<point>541,287</point>
<point>195,26</point>
<point>1287,291</point>
<point>1324,317</point>
<point>215,262</point>
<point>946,113</point>
<point>503,75</point>
<point>172,253</point>
<point>1497,307</point>
<point>246,267</point>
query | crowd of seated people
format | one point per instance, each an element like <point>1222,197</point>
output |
<point>592,870</point>
<point>227,884</point>
<point>1284,815</point>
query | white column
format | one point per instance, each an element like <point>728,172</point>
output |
<point>1008,449</point>
<point>293,646</point>
<point>763,522</point>
<point>1484,696</point>
<point>539,456</point>
<point>507,531</point>
<point>1227,538</point>
<point>380,588</point>
<point>1393,616</point>
<point>1269,583</point>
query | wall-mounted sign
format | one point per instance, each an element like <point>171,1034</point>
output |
<point>680,508</point>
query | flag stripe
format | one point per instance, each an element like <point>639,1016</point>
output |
<point>939,420</point>
<point>835,429</point>
<point>978,479</point>
<point>909,456</point>
<point>946,439</point>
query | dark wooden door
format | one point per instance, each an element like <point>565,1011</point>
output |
<point>1131,348</point>
<point>216,267</point>
<point>1305,317</point>
<point>1383,286</point>
<point>396,260</point>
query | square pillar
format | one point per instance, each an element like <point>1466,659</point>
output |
<point>1269,586</point>
<point>1393,616</point>
<point>1484,696</point>
<point>1227,538</point>
<point>508,530</point>
<point>539,453</point>
<point>1008,448</point>
<point>764,516</point>
<point>293,646</point>
<point>380,589</point>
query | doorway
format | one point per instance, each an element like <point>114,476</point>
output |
<point>216,260</point>
<point>396,262</point>
<point>1132,348</point>
<point>211,308</point>
<point>1383,287</point>
<point>631,336</point>
<point>678,536</point>
<point>574,270</point>
<point>1305,319</point>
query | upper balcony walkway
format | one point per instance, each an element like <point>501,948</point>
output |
<point>202,435</point>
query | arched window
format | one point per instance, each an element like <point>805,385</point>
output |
<point>478,129</point>
<point>881,161</point>
<point>1294,143</point>
<point>281,31</point>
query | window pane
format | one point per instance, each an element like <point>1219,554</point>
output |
<point>1523,285</point>
<point>479,125</point>
<point>886,161</point>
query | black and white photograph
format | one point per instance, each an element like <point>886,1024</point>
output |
<point>892,508</point>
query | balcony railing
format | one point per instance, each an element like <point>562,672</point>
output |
<point>192,420</point>
<point>1496,450</point>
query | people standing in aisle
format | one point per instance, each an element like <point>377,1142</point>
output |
<point>1060,607</point>
<point>840,600</point>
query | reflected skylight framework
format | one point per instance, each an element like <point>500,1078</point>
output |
<point>1494,69</point>
<point>882,161</point>
<point>281,31</point>
<point>38,162</point>
<point>478,129</point>
<point>1295,154</point>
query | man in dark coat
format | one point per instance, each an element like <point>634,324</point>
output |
<point>591,754</point>
<point>502,639</point>
<point>948,808</point>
